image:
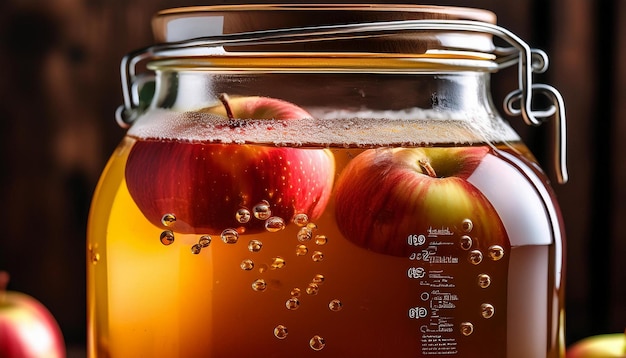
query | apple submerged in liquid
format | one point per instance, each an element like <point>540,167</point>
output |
<point>208,187</point>
<point>387,194</point>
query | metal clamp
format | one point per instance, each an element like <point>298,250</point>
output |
<point>518,103</point>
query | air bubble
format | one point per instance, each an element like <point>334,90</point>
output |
<point>259,285</point>
<point>467,225</point>
<point>168,219</point>
<point>335,305</point>
<point>466,242</point>
<point>321,239</point>
<point>305,234</point>
<point>280,332</point>
<point>317,343</point>
<point>204,241</point>
<point>295,292</point>
<point>167,237</point>
<point>467,328</point>
<point>301,250</point>
<point>247,265</point>
<point>300,219</point>
<point>278,263</point>
<point>487,310</point>
<point>263,268</point>
<point>255,245</point>
<point>475,257</point>
<point>312,289</point>
<point>195,249</point>
<point>317,256</point>
<point>311,226</point>
<point>484,280</point>
<point>292,304</point>
<point>318,279</point>
<point>95,257</point>
<point>496,252</point>
<point>262,210</point>
<point>230,236</point>
<point>274,224</point>
<point>242,215</point>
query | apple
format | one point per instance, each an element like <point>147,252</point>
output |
<point>600,346</point>
<point>386,194</point>
<point>205,185</point>
<point>27,328</point>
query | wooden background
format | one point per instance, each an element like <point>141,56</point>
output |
<point>59,88</point>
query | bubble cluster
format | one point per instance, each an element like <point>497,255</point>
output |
<point>203,242</point>
<point>305,233</point>
<point>94,256</point>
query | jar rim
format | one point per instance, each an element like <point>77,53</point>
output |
<point>431,62</point>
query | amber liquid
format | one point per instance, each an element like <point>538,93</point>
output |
<point>285,295</point>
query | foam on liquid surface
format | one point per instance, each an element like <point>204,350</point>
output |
<point>410,127</point>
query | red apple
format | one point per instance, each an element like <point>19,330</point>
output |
<point>386,194</point>
<point>602,346</point>
<point>204,185</point>
<point>27,329</point>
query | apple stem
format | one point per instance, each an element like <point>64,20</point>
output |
<point>224,99</point>
<point>232,122</point>
<point>425,164</point>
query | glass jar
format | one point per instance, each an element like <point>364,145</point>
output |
<point>327,180</point>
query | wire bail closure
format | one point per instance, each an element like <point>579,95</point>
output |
<point>517,103</point>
